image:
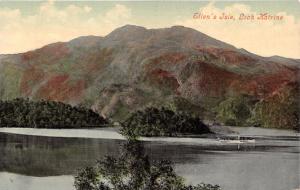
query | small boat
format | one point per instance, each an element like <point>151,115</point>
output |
<point>238,140</point>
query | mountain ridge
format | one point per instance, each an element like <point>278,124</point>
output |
<point>129,26</point>
<point>133,67</point>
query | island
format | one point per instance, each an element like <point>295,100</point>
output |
<point>23,113</point>
<point>162,122</point>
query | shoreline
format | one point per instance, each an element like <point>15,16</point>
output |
<point>102,133</point>
<point>112,133</point>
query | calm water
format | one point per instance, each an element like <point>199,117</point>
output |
<point>35,162</point>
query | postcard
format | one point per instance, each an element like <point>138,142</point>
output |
<point>149,95</point>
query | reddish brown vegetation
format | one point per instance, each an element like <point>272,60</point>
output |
<point>175,72</point>
<point>164,79</point>
<point>60,88</point>
<point>171,57</point>
<point>229,56</point>
<point>97,60</point>
<point>212,81</point>
<point>166,59</point>
<point>30,78</point>
<point>48,54</point>
<point>264,85</point>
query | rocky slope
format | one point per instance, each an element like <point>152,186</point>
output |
<point>133,67</point>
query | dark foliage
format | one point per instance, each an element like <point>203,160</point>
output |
<point>132,170</point>
<point>162,122</point>
<point>46,114</point>
<point>279,111</point>
<point>236,110</point>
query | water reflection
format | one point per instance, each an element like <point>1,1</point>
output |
<point>50,156</point>
<point>22,157</point>
<point>45,156</point>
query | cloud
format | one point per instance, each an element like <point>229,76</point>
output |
<point>119,15</point>
<point>265,38</point>
<point>19,33</point>
<point>118,12</point>
<point>48,24</point>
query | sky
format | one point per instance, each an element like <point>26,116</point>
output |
<point>27,25</point>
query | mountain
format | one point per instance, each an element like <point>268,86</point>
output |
<point>134,67</point>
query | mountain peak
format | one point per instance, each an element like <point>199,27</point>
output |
<point>183,28</point>
<point>178,34</point>
<point>127,32</point>
<point>131,27</point>
<point>128,28</point>
<point>85,40</point>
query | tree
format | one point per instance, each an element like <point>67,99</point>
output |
<point>280,110</point>
<point>235,111</point>
<point>132,170</point>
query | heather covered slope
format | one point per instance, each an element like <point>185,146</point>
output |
<point>134,67</point>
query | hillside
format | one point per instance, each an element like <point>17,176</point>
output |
<point>134,67</point>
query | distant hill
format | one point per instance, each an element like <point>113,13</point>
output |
<point>133,67</point>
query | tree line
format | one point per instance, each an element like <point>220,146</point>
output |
<point>278,111</point>
<point>47,114</point>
